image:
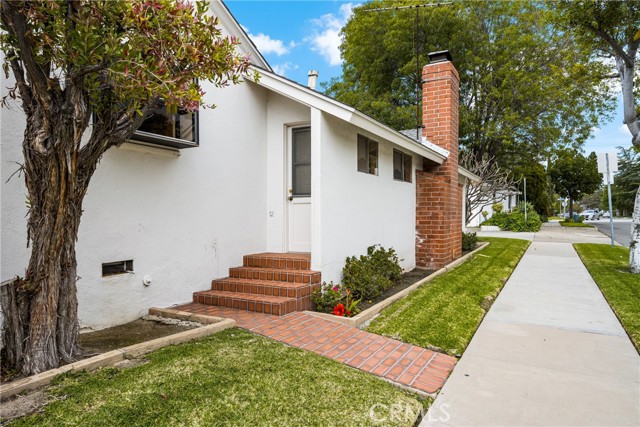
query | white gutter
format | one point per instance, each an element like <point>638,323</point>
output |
<point>312,98</point>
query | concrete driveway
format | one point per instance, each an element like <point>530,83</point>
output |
<point>550,351</point>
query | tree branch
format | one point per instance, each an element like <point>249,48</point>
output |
<point>14,21</point>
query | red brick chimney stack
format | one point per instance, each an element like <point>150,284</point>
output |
<point>438,192</point>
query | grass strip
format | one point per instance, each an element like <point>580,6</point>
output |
<point>575,224</point>
<point>233,378</point>
<point>609,267</point>
<point>446,312</point>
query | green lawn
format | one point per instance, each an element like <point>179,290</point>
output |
<point>232,378</point>
<point>446,312</point>
<point>609,267</point>
<point>575,224</point>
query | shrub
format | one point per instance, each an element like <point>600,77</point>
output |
<point>469,241</point>
<point>514,221</point>
<point>370,275</point>
<point>497,207</point>
<point>336,299</point>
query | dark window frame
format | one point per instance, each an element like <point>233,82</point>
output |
<point>369,168</point>
<point>295,193</point>
<point>152,138</point>
<point>406,163</point>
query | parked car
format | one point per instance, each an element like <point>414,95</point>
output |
<point>591,214</point>
<point>605,214</point>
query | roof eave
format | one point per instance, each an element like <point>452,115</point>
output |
<point>315,99</point>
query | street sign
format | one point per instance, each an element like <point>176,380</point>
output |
<point>604,177</point>
<point>613,162</point>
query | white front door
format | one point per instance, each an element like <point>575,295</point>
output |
<point>299,191</point>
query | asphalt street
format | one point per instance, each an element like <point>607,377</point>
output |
<point>621,229</point>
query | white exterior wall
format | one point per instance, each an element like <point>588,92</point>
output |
<point>358,210</point>
<point>282,113</point>
<point>184,219</point>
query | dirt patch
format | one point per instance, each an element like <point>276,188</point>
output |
<point>22,405</point>
<point>407,279</point>
<point>141,330</point>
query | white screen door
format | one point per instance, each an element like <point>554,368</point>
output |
<point>299,200</point>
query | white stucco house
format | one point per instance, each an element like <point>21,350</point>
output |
<point>276,168</point>
<point>509,197</point>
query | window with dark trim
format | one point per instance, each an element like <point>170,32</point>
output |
<point>402,166</point>
<point>177,130</point>
<point>367,155</point>
<point>301,162</point>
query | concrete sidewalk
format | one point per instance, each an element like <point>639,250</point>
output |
<point>550,352</point>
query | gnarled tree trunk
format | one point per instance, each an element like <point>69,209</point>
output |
<point>41,309</point>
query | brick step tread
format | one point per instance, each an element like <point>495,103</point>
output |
<point>276,275</point>
<point>245,296</point>
<point>266,304</point>
<point>291,261</point>
<point>258,282</point>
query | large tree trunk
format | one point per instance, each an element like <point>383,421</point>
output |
<point>41,309</point>
<point>634,247</point>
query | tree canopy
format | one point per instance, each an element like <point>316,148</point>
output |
<point>108,62</point>
<point>575,175</point>
<point>526,86</point>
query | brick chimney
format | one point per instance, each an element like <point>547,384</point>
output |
<point>438,192</point>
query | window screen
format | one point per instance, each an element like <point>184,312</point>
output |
<point>402,166</point>
<point>367,155</point>
<point>301,162</point>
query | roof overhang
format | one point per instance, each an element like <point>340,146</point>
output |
<point>465,174</point>
<point>315,99</point>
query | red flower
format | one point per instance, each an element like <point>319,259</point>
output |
<point>338,310</point>
<point>348,314</point>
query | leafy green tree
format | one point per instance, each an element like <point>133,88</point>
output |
<point>611,29</point>
<point>575,175</point>
<point>113,60</point>
<point>537,186</point>
<point>525,86</point>
<point>626,182</point>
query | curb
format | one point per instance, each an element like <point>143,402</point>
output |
<point>369,313</point>
<point>212,325</point>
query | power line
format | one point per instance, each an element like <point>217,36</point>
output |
<point>416,6</point>
<point>415,41</point>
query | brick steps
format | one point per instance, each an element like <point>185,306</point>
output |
<point>275,274</point>
<point>270,283</point>
<point>266,304</point>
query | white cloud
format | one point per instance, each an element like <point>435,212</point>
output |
<point>325,38</point>
<point>624,130</point>
<point>283,68</point>
<point>266,45</point>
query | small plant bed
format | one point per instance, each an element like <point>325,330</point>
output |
<point>609,267</point>
<point>406,279</point>
<point>445,313</point>
<point>135,332</point>
<point>140,330</point>
<point>575,224</point>
<point>230,378</point>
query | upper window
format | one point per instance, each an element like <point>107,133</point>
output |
<point>367,155</point>
<point>178,130</point>
<point>402,166</point>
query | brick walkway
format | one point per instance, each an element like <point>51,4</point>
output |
<point>405,364</point>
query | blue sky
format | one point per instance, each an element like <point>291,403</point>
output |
<point>296,36</point>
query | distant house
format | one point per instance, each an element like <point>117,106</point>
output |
<point>509,198</point>
<point>277,169</point>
